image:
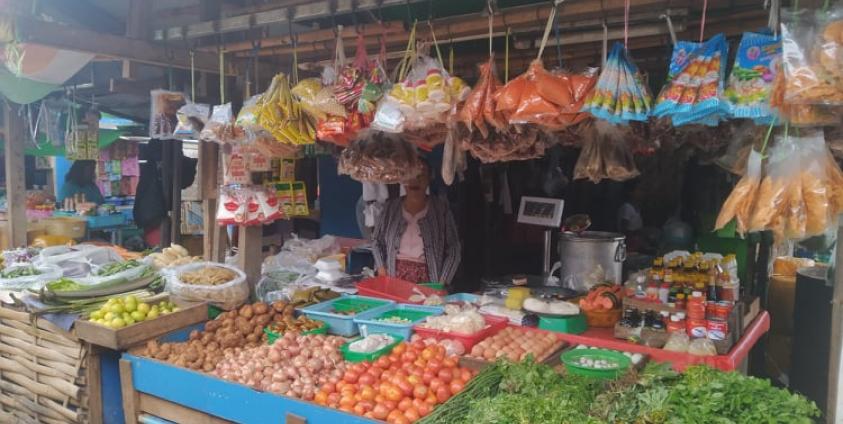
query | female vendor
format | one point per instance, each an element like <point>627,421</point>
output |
<point>81,179</point>
<point>415,238</point>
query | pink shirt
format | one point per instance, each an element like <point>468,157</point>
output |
<point>412,246</point>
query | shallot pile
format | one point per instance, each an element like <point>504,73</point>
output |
<point>294,365</point>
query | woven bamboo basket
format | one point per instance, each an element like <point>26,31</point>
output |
<point>42,372</point>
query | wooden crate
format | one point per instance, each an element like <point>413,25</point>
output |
<point>45,373</point>
<point>126,337</point>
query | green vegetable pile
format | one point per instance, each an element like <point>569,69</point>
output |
<point>530,393</point>
<point>116,267</point>
<point>21,271</point>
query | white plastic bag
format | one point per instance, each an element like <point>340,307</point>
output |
<point>130,274</point>
<point>226,296</point>
<point>78,260</point>
<point>46,274</point>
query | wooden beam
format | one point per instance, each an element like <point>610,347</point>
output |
<point>137,27</point>
<point>15,176</point>
<point>85,13</point>
<point>78,39</point>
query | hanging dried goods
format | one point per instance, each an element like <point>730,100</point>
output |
<point>620,94</point>
<point>280,113</point>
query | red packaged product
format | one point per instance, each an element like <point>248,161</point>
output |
<point>717,329</point>
<point>697,328</point>
<point>696,306</point>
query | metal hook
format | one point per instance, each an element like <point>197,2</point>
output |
<point>666,17</point>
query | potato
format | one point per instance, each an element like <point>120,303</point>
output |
<point>260,308</point>
<point>193,335</point>
<point>252,338</point>
<point>262,320</point>
<point>212,326</point>
<point>279,306</point>
<point>246,311</point>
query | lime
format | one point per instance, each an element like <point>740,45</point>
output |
<point>175,309</point>
<point>109,316</point>
<point>118,323</point>
<point>96,315</point>
<point>138,316</point>
<point>131,299</point>
<point>153,313</point>
<point>131,307</point>
<point>130,321</point>
<point>143,308</point>
<point>117,308</point>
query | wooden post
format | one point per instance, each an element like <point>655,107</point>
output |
<point>250,253</point>
<point>175,194</point>
<point>15,176</point>
<point>834,405</point>
<point>130,396</point>
<point>93,376</point>
<point>214,240</point>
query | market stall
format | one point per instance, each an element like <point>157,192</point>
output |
<point>308,334</point>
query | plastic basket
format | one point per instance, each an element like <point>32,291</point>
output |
<point>340,324</point>
<point>371,357</point>
<point>494,324</point>
<point>272,336</point>
<point>575,324</point>
<point>104,221</point>
<point>462,297</point>
<point>394,289</point>
<point>433,285</point>
<point>571,357</point>
<point>413,313</point>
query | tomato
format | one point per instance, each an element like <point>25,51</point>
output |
<point>434,365</point>
<point>321,398</point>
<point>367,393</point>
<point>409,356</point>
<point>405,386</point>
<point>348,409</point>
<point>333,398</point>
<point>380,411</point>
<point>428,353</point>
<point>367,405</point>
<point>450,362</point>
<point>414,379</point>
<point>370,415</point>
<point>401,373</point>
<point>400,348</point>
<point>442,394</point>
<point>418,345</point>
<point>445,375</point>
<point>347,391</point>
<point>412,414</point>
<point>390,404</point>
<point>379,398</point>
<point>382,362</point>
<point>328,388</point>
<point>419,362</point>
<point>440,351</point>
<point>375,371</point>
<point>404,404</point>
<point>367,379</point>
<point>359,368</point>
<point>456,386</point>
<point>431,399</point>
<point>394,357</point>
<point>358,409</point>
<point>436,383</point>
<point>350,377</point>
<point>428,376</point>
<point>393,393</point>
<point>420,392</point>
<point>424,408</point>
<point>465,375</point>
<point>347,401</point>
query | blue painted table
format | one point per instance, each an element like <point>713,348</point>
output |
<point>157,392</point>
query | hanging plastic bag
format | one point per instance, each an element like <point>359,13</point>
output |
<point>380,158</point>
<point>739,204</point>
<point>227,295</point>
<point>317,100</point>
<point>38,276</point>
<point>163,113</point>
<point>812,52</point>
<point>606,156</point>
<point>772,196</point>
<point>192,118</point>
<point>280,114</point>
<point>221,127</point>
<point>751,81</point>
<point>620,95</point>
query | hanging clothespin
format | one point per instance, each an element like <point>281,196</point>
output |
<point>670,29</point>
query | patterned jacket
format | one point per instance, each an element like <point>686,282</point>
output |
<point>442,250</point>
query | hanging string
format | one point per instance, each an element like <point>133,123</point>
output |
<point>606,42</point>
<point>491,24</point>
<point>295,71</point>
<point>506,57</point>
<point>773,18</point>
<point>702,20</point>
<point>435,44</point>
<point>767,138</point>
<point>558,40</point>
<point>451,60</point>
<point>625,24</point>
<point>407,53</point>
<point>550,19</point>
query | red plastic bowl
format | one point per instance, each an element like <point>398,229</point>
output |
<point>394,289</point>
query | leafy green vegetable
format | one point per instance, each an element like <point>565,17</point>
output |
<point>64,284</point>
<point>116,267</point>
<point>20,271</point>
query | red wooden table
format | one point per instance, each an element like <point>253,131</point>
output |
<point>604,337</point>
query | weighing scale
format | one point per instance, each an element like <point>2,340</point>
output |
<point>544,212</point>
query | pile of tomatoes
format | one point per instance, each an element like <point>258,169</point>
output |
<point>400,387</point>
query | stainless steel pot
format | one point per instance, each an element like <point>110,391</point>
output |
<point>583,255</point>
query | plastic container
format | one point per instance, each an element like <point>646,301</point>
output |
<point>462,297</point>
<point>66,226</point>
<point>371,357</point>
<point>494,324</point>
<point>272,336</point>
<point>433,285</point>
<point>571,358</point>
<point>105,221</point>
<point>395,289</point>
<point>575,324</point>
<point>603,318</point>
<point>339,324</point>
<point>414,313</point>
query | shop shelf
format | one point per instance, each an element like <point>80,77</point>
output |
<point>493,325</point>
<point>371,357</point>
<point>342,324</point>
<point>395,289</point>
<point>414,313</point>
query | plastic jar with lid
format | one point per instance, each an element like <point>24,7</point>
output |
<point>676,323</point>
<point>696,306</point>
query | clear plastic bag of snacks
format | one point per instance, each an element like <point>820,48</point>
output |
<point>812,54</point>
<point>163,117</point>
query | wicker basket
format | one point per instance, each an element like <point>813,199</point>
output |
<point>42,372</point>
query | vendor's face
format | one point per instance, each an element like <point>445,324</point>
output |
<point>419,184</point>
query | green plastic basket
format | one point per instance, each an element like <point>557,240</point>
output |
<point>433,285</point>
<point>272,336</point>
<point>575,324</point>
<point>571,358</point>
<point>371,357</point>
<point>356,305</point>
